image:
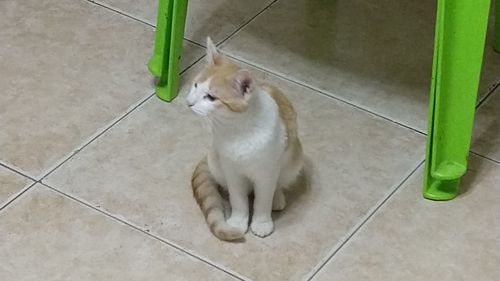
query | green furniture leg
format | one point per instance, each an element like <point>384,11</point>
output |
<point>497,26</point>
<point>165,61</point>
<point>458,54</point>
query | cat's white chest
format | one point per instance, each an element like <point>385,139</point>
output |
<point>255,144</point>
<point>253,157</point>
<point>260,144</point>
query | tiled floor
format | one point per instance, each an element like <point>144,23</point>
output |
<point>94,169</point>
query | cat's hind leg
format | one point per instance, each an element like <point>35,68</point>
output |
<point>279,200</point>
<point>292,165</point>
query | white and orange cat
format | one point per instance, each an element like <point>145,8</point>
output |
<point>255,147</point>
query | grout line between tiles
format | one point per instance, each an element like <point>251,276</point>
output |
<point>122,13</point>
<point>107,127</point>
<point>323,93</point>
<point>95,136</point>
<point>16,170</point>
<point>195,43</point>
<point>17,195</point>
<point>487,96</point>
<point>162,240</point>
<point>356,228</point>
<point>191,65</point>
<point>246,23</point>
<point>112,123</point>
<point>486,157</point>
<point>97,3</point>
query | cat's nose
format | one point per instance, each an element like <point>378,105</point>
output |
<point>190,100</point>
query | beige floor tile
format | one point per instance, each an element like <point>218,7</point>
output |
<point>377,55</point>
<point>411,238</point>
<point>486,136</point>
<point>45,236</point>
<point>68,69</point>
<point>140,170</point>
<point>215,18</point>
<point>11,184</point>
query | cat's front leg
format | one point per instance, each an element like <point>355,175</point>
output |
<point>262,222</point>
<point>238,188</point>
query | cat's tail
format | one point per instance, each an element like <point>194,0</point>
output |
<point>211,203</point>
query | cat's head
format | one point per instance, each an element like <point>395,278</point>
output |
<point>222,88</point>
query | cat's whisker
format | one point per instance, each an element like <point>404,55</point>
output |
<point>215,120</point>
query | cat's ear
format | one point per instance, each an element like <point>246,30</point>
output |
<point>212,51</point>
<point>243,82</point>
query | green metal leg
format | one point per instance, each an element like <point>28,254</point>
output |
<point>497,26</point>
<point>458,54</point>
<point>165,61</point>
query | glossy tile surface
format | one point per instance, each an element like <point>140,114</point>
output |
<point>45,236</point>
<point>486,134</point>
<point>411,238</point>
<point>11,184</point>
<point>376,55</point>
<point>356,159</point>
<point>68,69</point>
<point>215,18</point>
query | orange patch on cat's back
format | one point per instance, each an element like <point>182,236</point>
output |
<point>286,111</point>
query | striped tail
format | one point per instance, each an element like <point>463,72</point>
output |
<point>211,203</point>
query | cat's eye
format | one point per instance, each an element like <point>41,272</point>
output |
<point>196,85</point>
<point>210,97</point>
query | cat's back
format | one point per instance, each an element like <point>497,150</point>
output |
<point>286,111</point>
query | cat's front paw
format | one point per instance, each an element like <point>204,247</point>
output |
<point>262,229</point>
<point>238,222</point>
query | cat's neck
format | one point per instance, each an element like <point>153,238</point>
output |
<point>262,115</point>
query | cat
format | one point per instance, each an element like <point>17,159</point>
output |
<point>255,147</point>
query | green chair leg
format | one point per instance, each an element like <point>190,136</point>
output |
<point>458,54</point>
<point>497,26</point>
<point>165,61</point>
